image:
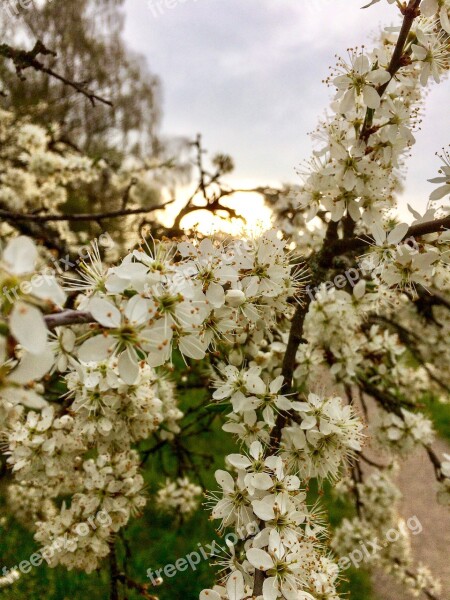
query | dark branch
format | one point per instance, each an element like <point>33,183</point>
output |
<point>24,59</point>
<point>398,59</point>
<point>114,214</point>
<point>342,246</point>
<point>68,317</point>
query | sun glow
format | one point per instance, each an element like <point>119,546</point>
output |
<point>256,216</point>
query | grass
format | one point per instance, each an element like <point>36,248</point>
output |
<point>439,414</point>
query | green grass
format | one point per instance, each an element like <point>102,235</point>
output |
<point>440,415</point>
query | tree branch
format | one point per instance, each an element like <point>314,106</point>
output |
<point>68,317</point>
<point>410,13</point>
<point>23,60</point>
<point>114,214</point>
<point>342,246</point>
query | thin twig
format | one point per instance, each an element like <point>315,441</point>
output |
<point>68,317</point>
<point>24,59</point>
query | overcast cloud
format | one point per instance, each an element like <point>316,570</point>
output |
<point>247,75</point>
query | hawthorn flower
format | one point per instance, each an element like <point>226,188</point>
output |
<point>247,427</point>
<point>113,413</point>
<point>236,385</point>
<point>433,56</point>
<point>22,289</point>
<point>272,401</point>
<point>405,432</point>
<point>442,190</point>
<point>409,267</point>
<point>179,496</point>
<point>208,265</point>
<point>235,505</point>
<point>283,514</point>
<point>399,121</point>
<point>359,81</point>
<point>429,8</point>
<point>126,333</point>
<point>91,275</point>
<point>62,343</point>
<point>329,434</point>
<point>283,569</point>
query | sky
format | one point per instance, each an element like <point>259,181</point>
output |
<point>247,75</point>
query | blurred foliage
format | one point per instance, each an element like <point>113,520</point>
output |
<point>440,415</point>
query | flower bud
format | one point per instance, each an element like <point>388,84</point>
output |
<point>235,298</point>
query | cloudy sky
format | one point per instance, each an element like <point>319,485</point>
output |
<point>248,75</point>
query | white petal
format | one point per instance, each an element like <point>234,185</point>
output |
<point>239,461</point>
<point>308,423</point>
<point>371,97</point>
<point>397,234</point>
<point>419,51</point>
<point>378,233</point>
<point>347,102</point>
<point>209,595</point>
<point>263,510</point>
<point>353,210</point>
<point>256,449</point>
<point>32,367</point>
<point>128,367</point>
<point>361,64</point>
<point>225,480</point>
<point>215,295</point>
<point>138,310</point>
<point>270,589</point>
<point>235,586</point>
<point>360,289</point>
<point>379,76</point>
<point>28,398</point>
<point>275,543</point>
<point>283,403</point>
<point>20,255</point>
<point>440,192</point>
<point>276,384</point>
<point>292,482</point>
<point>47,288</point>
<point>222,509</point>
<point>192,346</point>
<point>96,348</point>
<point>104,312</point>
<point>260,559</point>
<point>262,481</point>
<point>28,327</point>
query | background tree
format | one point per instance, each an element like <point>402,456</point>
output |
<point>87,39</point>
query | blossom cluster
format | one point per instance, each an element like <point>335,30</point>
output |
<point>288,546</point>
<point>161,297</point>
<point>179,497</point>
<point>402,433</point>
